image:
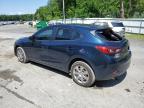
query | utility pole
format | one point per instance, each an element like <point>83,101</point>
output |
<point>64,12</point>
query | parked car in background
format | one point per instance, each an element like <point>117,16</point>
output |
<point>116,26</point>
<point>21,22</point>
<point>30,23</point>
<point>88,53</point>
<point>5,23</point>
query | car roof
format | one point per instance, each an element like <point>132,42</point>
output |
<point>80,26</point>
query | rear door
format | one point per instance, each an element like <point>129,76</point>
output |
<point>62,47</point>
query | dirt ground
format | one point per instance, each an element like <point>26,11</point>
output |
<point>33,85</point>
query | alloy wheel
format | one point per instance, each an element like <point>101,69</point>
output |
<point>81,74</point>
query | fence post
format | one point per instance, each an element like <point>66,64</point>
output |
<point>140,26</point>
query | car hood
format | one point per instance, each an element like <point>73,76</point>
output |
<point>23,39</point>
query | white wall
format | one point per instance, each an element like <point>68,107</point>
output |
<point>132,25</point>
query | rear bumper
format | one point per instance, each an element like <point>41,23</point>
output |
<point>109,71</point>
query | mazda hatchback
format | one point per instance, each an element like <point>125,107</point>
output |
<point>87,53</point>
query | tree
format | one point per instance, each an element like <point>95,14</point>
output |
<point>91,8</point>
<point>51,11</point>
<point>122,9</point>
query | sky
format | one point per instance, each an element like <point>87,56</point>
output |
<point>12,7</point>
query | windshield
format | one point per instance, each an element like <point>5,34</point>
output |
<point>106,34</point>
<point>116,24</point>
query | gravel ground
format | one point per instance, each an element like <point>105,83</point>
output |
<point>32,85</point>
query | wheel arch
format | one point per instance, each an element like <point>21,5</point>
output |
<point>78,59</point>
<point>16,46</point>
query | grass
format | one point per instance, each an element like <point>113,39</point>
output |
<point>135,36</point>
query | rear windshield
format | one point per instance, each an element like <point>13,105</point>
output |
<point>106,34</point>
<point>116,24</point>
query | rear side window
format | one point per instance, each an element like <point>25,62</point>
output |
<point>115,24</point>
<point>67,34</point>
<point>106,34</point>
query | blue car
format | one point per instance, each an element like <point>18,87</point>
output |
<point>87,53</point>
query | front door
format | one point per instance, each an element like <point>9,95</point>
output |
<point>39,50</point>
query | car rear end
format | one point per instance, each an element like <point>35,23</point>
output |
<point>115,52</point>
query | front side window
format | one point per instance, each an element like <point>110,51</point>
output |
<point>46,34</point>
<point>67,34</point>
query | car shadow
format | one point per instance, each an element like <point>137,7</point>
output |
<point>110,83</point>
<point>97,84</point>
<point>52,69</point>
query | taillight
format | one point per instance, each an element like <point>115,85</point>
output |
<point>108,50</point>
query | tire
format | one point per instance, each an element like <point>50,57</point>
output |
<point>82,74</point>
<point>21,55</point>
